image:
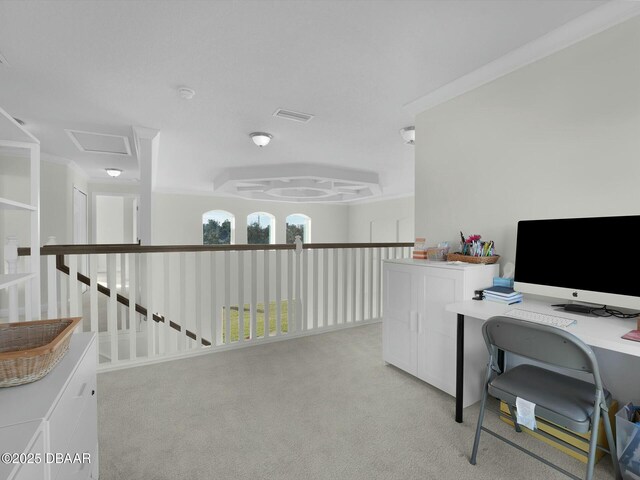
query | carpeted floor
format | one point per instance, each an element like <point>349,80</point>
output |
<point>318,407</point>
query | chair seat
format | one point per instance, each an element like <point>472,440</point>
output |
<point>563,400</point>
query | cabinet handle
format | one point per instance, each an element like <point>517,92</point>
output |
<point>419,322</point>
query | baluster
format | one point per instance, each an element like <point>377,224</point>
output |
<point>345,282</point>
<point>164,331</point>
<point>253,305</point>
<point>362,283</point>
<point>325,288</point>
<point>133,288</point>
<point>371,298</point>
<point>198,259</point>
<point>93,292</point>
<point>64,299</point>
<point>123,289</point>
<point>334,297</point>
<point>314,276</point>
<point>298,285</point>
<point>216,321</point>
<point>278,292</point>
<point>291,309</point>
<point>305,290</point>
<point>241,335</point>
<point>52,283</point>
<point>11,257</point>
<point>354,279</point>
<point>227,297</point>
<point>112,308</point>
<point>146,269</point>
<point>182,293</point>
<point>74,309</point>
<point>379,282</point>
<point>266,304</point>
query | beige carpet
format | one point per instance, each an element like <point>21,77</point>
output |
<point>318,407</point>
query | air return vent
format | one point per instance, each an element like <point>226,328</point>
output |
<point>291,115</point>
<point>91,142</point>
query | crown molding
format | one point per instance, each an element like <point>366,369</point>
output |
<point>582,27</point>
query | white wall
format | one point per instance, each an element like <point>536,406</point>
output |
<point>56,199</point>
<point>177,218</point>
<point>558,138</point>
<point>382,221</point>
<point>109,219</point>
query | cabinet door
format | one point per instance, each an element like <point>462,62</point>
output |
<point>399,324</point>
<point>437,328</point>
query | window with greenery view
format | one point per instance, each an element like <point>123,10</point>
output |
<point>298,224</point>
<point>217,228</point>
<point>260,228</point>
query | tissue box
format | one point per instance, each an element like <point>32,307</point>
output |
<point>503,282</point>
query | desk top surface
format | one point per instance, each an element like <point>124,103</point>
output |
<point>601,332</point>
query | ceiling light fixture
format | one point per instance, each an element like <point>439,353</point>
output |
<point>408,134</point>
<point>113,172</point>
<point>261,139</point>
<point>186,93</point>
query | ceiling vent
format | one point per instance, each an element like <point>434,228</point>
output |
<point>91,142</point>
<point>291,115</point>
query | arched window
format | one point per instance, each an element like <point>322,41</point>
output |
<point>298,224</point>
<point>218,228</point>
<point>261,228</point>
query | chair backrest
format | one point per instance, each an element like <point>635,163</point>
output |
<point>540,342</point>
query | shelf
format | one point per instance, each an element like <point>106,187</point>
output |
<point>9,279</point>
<point>6,204</point>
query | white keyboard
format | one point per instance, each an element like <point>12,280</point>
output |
<point>543,318</point>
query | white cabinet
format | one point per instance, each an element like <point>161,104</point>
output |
<point>419,336</point>
<point>19,206</point>
<point>52,416</point>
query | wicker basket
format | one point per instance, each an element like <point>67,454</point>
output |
<point>30,350</point>
<point>458,257</point>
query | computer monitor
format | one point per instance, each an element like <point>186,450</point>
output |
<point>594,260</point>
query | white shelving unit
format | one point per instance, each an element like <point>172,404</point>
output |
<point>15,141</point>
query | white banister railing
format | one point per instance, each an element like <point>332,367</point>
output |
<point>151,303</point>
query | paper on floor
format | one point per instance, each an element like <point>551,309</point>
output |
<point>526,413</point>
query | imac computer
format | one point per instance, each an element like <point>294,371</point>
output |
<point>593,260</point>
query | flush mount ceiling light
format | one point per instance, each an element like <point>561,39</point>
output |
<point>408,134</point>
<point>186,93</point>
<point>113,172</point>
<point>261,139</point>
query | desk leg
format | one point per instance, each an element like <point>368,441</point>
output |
<point>459,367</point>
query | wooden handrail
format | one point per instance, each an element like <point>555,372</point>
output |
<point>60,265</point>
<point>135,248</point>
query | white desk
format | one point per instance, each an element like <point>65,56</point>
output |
<point>600,332</point>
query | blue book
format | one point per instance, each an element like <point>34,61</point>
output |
<point>500,291</point>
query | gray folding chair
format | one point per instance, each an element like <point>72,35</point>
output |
<point>560,399</point>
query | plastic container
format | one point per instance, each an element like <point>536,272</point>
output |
<point>628,441</point>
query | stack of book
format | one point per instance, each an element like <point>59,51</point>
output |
<point>502,295</point>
